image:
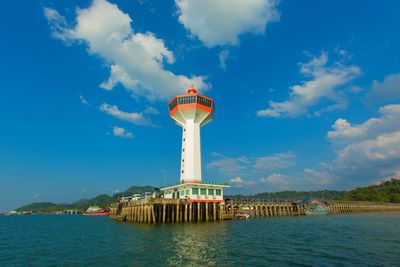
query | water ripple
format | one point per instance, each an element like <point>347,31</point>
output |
<point>347,240</point>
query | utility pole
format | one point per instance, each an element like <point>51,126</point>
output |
<point>165,177</point>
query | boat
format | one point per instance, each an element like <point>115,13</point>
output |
<point>13,212</point>
<point>96,211</point>
<point>241,215</point>
<point>316,209</point>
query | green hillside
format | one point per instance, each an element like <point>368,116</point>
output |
<point>102,201</point>
<point>45,207</point>
<point>388,191</point>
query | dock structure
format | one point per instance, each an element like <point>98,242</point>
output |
<point>261,207</point>
<point>160,210</point>
<point>265,208</point>
<point>340,207</point>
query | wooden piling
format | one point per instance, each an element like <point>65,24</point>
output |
<point>215,211</point>
<point>206,212</point>
<point>163,213</point>
<point>190,212</point>
<point>198,211</point>
<point>153,216</point>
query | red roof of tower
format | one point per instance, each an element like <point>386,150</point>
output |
<point>192,90</point>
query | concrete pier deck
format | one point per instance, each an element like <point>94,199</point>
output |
<point>160,210</point>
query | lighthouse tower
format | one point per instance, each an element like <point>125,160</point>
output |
<point>191,111</point>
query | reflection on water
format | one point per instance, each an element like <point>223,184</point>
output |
<point>346,240</point>
<point>199,244</point>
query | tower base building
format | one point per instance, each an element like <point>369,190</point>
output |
<point>196,192</point>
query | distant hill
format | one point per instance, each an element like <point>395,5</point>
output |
<point>386,191</point>
<point>323,194</point>
<point>43,207</point>
<point>102,201</point>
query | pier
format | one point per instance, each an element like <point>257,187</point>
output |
<point>260,207</point>
<point>340,207</point>
<point>160,210</point>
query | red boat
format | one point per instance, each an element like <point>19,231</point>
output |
<point>96,211</point>
<point>101,213</point>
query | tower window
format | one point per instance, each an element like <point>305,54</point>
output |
<point>173,105</point>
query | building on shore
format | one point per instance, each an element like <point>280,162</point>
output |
<point>191,111</point>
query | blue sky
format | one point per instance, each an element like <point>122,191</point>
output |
<point>307,94</point>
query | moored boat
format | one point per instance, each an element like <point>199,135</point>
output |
<point>316,209</point>
<point>241,215</point>
<point>96,211</point>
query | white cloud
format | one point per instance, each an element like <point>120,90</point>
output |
<point>262,180</point>
<point>387,90</point>
<point>365,153</point>
<point>229,165</point>
<point>121,132</point>
<point>223,56</point>
<point>282,181</point>
<point>325,85</point>
<point>57,24</point>
<point>345,132</point>
<point>370,150</point>
<point>118,75</point>
<point>239,182</point>
<point>274,162</point>
<point>83,190</point>
<point>136,59</point>
<point>137,118</point>
<point>321,178</point>
<point>371,158</point>
<point>151,110</point>
<point>222,22</point>
<point>236,180</point>
<point>84,101</point>
<point>307,179</point>
<point>244,165</point>
<point>36,195</point>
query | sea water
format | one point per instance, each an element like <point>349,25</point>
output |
<point>369,239</point>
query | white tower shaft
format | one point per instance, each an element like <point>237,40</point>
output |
<point>191,153</point>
